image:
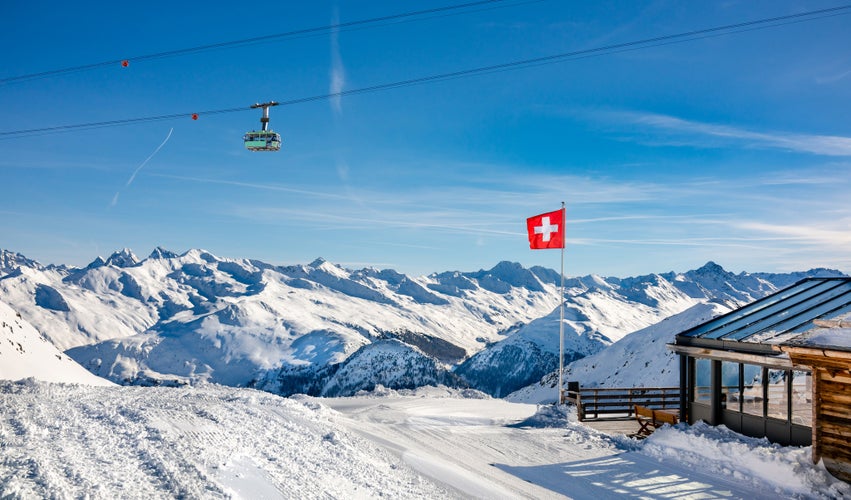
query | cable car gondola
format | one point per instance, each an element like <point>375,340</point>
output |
<point>263,140</point>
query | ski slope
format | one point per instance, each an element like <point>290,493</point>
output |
<point>210,441</point>
<point>26,353</point>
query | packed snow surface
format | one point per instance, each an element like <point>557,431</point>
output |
<point>209,441</point>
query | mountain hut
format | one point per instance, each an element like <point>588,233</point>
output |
<point>779,367</point>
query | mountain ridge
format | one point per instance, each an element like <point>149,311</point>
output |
<point>195,317</point>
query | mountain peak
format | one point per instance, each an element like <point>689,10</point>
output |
<point>162,253</point>
<point>509,274</point>
<point>330,269</point>
<point>98,262</point>
<point>9,261</point>
<point>123,258</point>
<point>199,254</point>
<point>507,266</point>
<point>711,268</point>
<point>317,263</point>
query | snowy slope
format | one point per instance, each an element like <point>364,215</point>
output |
<point>24,353</point>
<point>71,315</point>
<point>640,359</point>
<point>62,441</point>
<point>596,313</point>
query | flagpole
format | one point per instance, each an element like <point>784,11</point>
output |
<point>561,310</point>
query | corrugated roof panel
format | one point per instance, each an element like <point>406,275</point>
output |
<point>752,315</point>
<point>775,319</point>
<point>797,325</point>
<point>796,311</point>
<point>795,332</point>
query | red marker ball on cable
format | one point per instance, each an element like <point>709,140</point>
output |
<point>125,63</point>
<point>194,116</point>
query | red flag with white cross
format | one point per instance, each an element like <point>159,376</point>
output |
<point>546,230</point>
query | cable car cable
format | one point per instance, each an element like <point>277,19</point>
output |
<point>551,59</point>
<point>377,21</point>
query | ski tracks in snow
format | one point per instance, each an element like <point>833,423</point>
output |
<point>68,441</point>
<point>72,441</point>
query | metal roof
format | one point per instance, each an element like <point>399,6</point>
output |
<point>763,325</point>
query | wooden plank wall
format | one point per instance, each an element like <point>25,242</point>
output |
<point>832,420</point>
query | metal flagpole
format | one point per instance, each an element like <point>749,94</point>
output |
<point>561,310</point>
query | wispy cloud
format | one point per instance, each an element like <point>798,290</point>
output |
<point>810,233</point>
<point>254,185</point>
<point>784,217</point>
<point>334,220</point>
<point>338,72</point>
<point>694,133</point>
<point>833,78</point>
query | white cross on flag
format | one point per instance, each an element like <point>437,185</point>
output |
<point>546,230</point>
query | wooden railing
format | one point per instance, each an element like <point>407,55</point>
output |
<point>620,401</point>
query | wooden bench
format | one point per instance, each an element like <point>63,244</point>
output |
<point>649,420</point>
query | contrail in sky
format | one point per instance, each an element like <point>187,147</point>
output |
<point>133,177</point>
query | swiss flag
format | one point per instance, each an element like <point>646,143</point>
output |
<point>546,230</point>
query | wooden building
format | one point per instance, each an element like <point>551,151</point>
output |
<point>826,349</point>
<point>777,368</point>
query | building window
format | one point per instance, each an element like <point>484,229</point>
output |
<point>752,393</point>
<point>731,392</point>
<point>702,380</point>
<point>778,394</point>
<point>802,398</point>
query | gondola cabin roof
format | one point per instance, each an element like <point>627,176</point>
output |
<point>767,324</point>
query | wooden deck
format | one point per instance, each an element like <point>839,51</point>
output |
<point>625,426</point>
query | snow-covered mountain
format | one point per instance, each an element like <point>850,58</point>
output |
<point>193,317</point>
<point>600,311</point>
<point>24,353</point>
<point>389,363</point>
<point>597,312</point>
<point>638,360</point>
<point>385,363</point>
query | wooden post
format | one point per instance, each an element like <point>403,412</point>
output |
<point>684,388</point>
<point>715,388</point>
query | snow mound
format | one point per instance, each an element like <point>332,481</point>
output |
<point>788,471</point>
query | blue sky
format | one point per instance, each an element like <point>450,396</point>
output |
<point>733,148</point>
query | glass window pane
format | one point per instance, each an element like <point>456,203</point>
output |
<point>731,396</point>
<point>752,393</point>
<point>778,402</point>
<point>702,380</point>
<point>802,398</point>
